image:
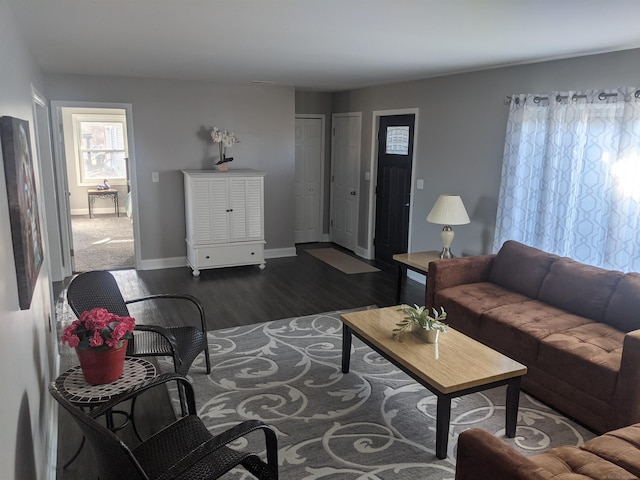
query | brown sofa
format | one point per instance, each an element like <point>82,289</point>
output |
<point>612,456</point>
<point>576,327</point>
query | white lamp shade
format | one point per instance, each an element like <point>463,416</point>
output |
<point>448,210</point>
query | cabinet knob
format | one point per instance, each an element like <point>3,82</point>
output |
<point>207,257</point>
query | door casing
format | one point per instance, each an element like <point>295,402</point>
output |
<point>393,192</point>
<point>61,168</point>
<point>369,252</point>
<point>320,180</point>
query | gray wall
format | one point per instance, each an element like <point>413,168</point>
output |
<point>169,118</point>
<point>28,355</point>
<point>461,131</point>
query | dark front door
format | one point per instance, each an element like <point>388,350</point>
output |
<point>395,151</point>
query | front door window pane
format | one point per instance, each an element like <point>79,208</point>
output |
<point>397,140</point>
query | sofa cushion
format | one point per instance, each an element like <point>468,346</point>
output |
<point>574,463</point>
<point>623,311</point>
<point>621,447</point>
<point>517,328</point>
<point>578,288</point>
<point>465,304</point>
<point>587,357</point>
<point>521,268</point>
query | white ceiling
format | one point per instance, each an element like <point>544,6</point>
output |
<point>316,44</point>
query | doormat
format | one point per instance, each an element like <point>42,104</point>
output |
<point>343,262</point>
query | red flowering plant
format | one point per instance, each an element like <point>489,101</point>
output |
<point>98,329</point>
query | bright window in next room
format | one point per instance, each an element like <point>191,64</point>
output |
<point>101,148</point>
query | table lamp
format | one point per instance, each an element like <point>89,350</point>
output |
<point>448,210</point>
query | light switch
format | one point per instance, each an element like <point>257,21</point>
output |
<point>155,177</point>
<point>420,184</point>
<point>367,176</point>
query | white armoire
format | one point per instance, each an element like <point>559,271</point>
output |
<point>224,218</point>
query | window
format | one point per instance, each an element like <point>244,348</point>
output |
<point>397,140</point>
<point>571,176</point>
<point>101,143</point>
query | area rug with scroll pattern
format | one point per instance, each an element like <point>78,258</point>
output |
<point>374,422</point>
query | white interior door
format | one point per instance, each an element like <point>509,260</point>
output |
<point>345,175</point>
<point>308,178</point>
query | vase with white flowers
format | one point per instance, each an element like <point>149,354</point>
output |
<point>224,139</point>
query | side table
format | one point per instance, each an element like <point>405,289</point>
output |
<point>93,193</point>
<point>418,262</point>
<point>72,385</point>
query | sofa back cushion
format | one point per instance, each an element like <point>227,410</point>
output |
<point>578,288</point>
<point>521,268</point>
<point>623,311</point>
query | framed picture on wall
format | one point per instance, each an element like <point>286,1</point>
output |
<point>23,205</point>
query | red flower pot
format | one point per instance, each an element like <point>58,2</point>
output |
<point>102,366</point>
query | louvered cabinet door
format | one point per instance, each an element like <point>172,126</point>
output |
<point>246,201</point>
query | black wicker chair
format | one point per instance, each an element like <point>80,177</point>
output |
<point>99,289</point>
<point>184,450</point>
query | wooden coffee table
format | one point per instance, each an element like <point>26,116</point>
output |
<point>457,365</point>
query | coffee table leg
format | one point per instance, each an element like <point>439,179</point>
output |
<point>399,284</point>
<point>513,399</point>
<point>443,417</point>
<point>346,348</point>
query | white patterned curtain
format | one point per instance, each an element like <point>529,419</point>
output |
<point>571,176</point>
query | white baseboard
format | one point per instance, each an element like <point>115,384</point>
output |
<point>97,210</point>
<point>52,443</point>
<point>175,262</point>
<point>280,252</point>
<point>158,263</point>
<point>363,252</point>
<point>418,277</point>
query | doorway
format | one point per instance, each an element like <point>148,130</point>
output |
<point>309,175</point>
<point>95,160</point>
<point>395,146</point>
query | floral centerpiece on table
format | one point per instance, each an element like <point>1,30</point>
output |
<point>224,139</point>
<point>98,329</point>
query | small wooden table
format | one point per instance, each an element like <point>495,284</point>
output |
<point>112,193</point>
<point>457,365</point>
<point>418,262</point>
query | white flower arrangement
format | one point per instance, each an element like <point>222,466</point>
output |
<point>224,139</point>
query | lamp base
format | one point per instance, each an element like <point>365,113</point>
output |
<point>447,238</point>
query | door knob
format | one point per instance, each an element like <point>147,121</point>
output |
<point>353,192</point>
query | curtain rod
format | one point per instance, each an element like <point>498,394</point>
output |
<point>574,97</point>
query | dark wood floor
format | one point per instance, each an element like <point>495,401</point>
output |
<point>288,287</point>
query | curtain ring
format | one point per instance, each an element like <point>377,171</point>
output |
<point>536,99</point>
<point>558,98</point>
<point>574,98</point>
<point>637,94</point>
<point>602,96</point>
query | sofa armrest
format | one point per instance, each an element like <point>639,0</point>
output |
<point>481,455</point>
<point>457,271</point>
<point>626,398</point>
